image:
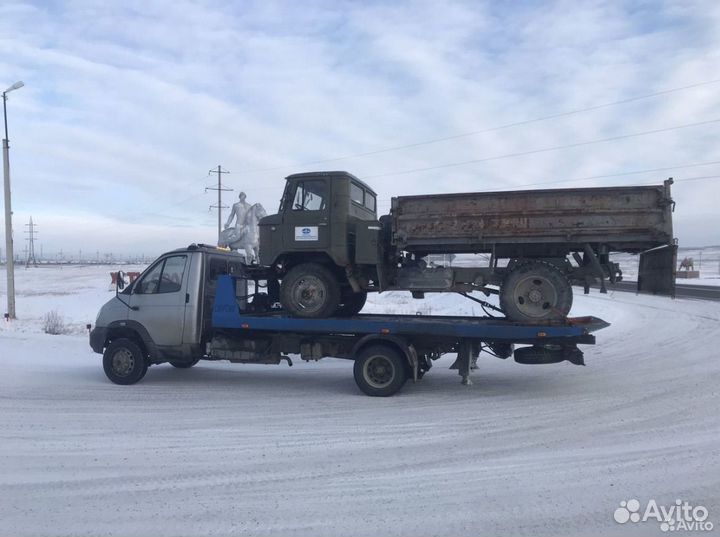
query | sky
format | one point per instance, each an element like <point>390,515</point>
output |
<point>128,105</point>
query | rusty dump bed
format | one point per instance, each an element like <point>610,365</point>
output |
<point>626,219</point>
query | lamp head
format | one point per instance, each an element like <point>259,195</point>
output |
<point>19,84</point>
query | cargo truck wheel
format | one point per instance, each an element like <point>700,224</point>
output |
<point>184,365</point>
<point>352,303</point>
<point>380,371</point>
<point>310,290</point>
<point>124,362</point>
<point>536,291</point>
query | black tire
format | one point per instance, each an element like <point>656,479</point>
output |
<point>380,370</point>
<point>310,290</point>
<point>352,303</point>
<point>124,362</point>
<point>536,292</point>
<point>184,365</point>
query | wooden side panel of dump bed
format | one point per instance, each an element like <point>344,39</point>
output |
<point>628,219</point>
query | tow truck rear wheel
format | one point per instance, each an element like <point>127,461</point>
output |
<point>380,370</point>
<point>310,290</point>
<point>536,292</point>
<point>124,362</point>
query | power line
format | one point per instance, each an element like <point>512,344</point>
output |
<point>698,178</point>
<point>489,129</point>
<point>575,179</point>
<point>543,150</point>
<point>610,175</point>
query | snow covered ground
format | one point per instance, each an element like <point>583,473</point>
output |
<point>270,450</point>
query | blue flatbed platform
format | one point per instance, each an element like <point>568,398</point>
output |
<point>227,315</point>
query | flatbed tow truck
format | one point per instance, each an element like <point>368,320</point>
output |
<point>193,304</point>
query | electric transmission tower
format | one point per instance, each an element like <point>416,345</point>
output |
<point>220,189</point>
<point>30,244</point>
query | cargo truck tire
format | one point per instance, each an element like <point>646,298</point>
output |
<point>380,370</point>
<point>352,304</point>
<point>310,290</point>
<point>124,362</point>
<point>536,292</point>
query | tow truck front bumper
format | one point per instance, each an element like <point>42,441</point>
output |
<point>98,336</point>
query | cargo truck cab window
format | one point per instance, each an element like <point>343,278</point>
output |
<point>165,277</point>
<point>356,193</point>
<point>310,196</point>
<point>362,197</point>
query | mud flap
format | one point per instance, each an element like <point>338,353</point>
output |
<point>656,273</point>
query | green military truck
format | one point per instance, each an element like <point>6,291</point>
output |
<point>327,247</point>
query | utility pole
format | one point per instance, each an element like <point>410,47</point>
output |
<point>220,189</point>
<point>31,244</point>
<point>10,264</point>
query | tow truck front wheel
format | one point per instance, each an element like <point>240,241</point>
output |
<point>124,362</point>
<point>310,290</point>
<point>380,371</point>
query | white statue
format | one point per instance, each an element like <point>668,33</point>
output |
<point>239,212</point>
<point>246,234</point>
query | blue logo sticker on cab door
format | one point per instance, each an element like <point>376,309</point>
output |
<point>306,233</point>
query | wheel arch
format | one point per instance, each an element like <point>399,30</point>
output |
<point>133,331</point>
<point>290,260</point>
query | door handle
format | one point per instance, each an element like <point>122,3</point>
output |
<point>187,298</point>
<point>322,224</point>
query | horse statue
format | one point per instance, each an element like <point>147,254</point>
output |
<point>688,264</point>
<point>246,236</point>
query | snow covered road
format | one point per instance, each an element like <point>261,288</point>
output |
<point>270,450</point>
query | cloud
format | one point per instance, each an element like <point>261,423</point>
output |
<point>128,105</point>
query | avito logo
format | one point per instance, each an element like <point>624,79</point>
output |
<point>678,517</point>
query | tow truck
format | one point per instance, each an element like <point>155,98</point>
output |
<point>199,303</point>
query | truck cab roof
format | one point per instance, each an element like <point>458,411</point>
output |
<point>209,248</point>
<point>333,175</point>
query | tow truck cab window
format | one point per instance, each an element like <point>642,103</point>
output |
<point>310,196</point>
<point>164,277</point>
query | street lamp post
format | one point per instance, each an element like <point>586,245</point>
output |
<point>9,254</point>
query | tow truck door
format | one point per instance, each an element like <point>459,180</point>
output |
<point>158,300</point>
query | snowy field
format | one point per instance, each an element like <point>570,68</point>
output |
<point>225,449</point>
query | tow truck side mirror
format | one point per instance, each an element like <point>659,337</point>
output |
<point>119,282</point>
